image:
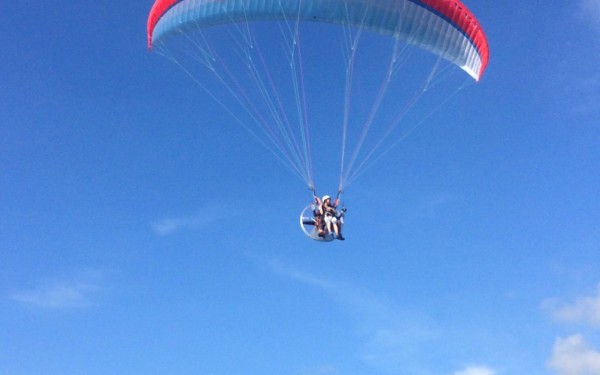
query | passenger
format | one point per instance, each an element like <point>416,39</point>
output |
<point>333,221</point>
<point>318,214</point>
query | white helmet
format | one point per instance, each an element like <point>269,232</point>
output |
<point>325,197</point>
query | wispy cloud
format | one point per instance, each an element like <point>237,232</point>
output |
<point>590,10</point>
<point>583,310</point>
<point>321,370</point>
<point>475,370</point>
<point>208,216</point>
<point>396,338</point>
<point>574,78</point>
<point>168,226</point>
<point>432,206</point>
<point>393,334</point>
<point>73,292</point>
<point>574,356</point>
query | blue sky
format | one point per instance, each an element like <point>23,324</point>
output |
<point>142,232</point>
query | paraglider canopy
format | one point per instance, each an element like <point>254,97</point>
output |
<point>445,27</point>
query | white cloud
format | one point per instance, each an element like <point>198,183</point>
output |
<point>76,292</point>
<point>475,370</point>
<point>583,310</point>
<point>590,9</point>
<point>574,356</point>
<point>434,204</point>
<point>589,13</point>
<point>394,335</point>
<point>321,370</point>
<point>169,226</point>
<point>208,216</point>
<point>396,338</point>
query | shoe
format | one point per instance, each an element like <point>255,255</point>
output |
<point>340,237</point>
